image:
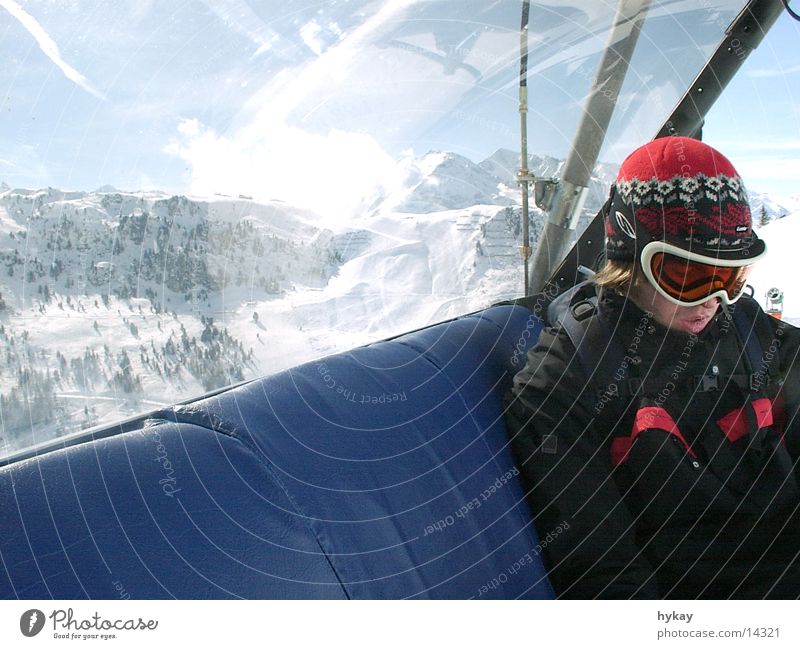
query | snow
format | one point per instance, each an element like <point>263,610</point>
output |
<point>108,296</point>
<point>782,237</point>
<point>93,283</point>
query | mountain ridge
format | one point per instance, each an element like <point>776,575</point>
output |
<point>116,302</point>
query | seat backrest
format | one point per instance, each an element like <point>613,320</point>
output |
<point>383,472</point>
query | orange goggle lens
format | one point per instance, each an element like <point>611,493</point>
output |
<point>691,281</point>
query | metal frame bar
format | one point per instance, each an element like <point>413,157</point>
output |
<point>570,192</point>
<point>742,36</point>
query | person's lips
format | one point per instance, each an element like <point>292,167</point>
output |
<point>697,322</point>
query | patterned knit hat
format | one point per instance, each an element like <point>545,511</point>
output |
<point>680,190</point>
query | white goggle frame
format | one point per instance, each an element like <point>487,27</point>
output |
<point>655,247</point>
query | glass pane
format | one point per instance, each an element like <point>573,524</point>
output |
<point>201,193</point>
<point>756,123</point>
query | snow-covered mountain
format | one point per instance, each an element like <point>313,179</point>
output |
<point>504,164</point>
<point>770,208</point>
<point>441,181</point>
<point>113,303</point>
<point>436,182</point>
<point>125,297</point>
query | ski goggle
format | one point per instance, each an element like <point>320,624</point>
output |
<point>688,278</point>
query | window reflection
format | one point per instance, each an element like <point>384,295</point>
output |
<point>198,195</point>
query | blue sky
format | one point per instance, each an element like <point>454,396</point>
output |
<point>757,121</point>
<point>314,102</point>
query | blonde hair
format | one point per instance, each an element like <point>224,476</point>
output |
<point>615,276</point>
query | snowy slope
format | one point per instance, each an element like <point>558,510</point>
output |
<point>773,206</point>
<point>414,271</point>
<point>504,164</point>
<point>438,181</point>
<point>114,303</point>
<point>782,237</point>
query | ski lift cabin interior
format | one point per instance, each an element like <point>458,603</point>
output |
<point>385,471</point>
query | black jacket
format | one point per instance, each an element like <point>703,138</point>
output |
<point>676,477</point>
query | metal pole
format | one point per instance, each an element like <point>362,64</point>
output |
<point>524,174</point>
<point>742,36</point>
<point>571,190</point>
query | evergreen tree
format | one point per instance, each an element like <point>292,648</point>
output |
<point>763,217</point>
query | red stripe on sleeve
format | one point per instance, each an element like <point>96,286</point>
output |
<point>734,424</point>
<point>655,417</point>
<point>651,417</point>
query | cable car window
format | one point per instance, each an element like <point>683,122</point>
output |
<point>194,196</point>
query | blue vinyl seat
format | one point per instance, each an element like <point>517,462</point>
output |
<point>383,472</point>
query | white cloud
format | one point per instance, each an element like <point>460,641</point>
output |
<point>765,162</point>
<point>49,47</point>
<point>238,16</point>
<point>328,174</point>
<point>189,127</point>
<point>263,156</point>
<point>769,168</point>
<point>765,145</point>
<point>761,73</point>
<point>298,86</point>
<point>309,33</point>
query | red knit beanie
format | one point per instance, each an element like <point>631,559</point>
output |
<point>680,190</point>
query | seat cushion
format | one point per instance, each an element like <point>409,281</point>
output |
<point>383,472</point>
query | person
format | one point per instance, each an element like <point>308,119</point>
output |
<point>664,441</point>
